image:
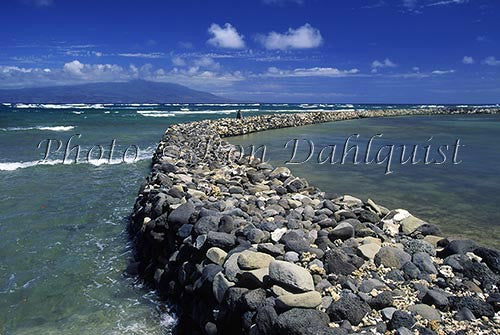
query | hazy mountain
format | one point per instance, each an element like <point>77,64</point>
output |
<point>135,91</point>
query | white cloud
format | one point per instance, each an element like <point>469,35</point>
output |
<point>448,2</point>
<point>74,67</point>
<point>468,60</point>
<point>178,61</point>
<point>204,76</point>
<point>282,2</point>
<point>142,55</point>
<point>206,62</point>
<point>376,64</point>
<point>410,4</point>
<point>40,3</point>
<point>309,72</point>
<point>225,37</point>
<point>492,61</point>
<point>304,37</point>
<point>441,72</point>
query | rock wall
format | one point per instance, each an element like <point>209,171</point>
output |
<point>245,248</point>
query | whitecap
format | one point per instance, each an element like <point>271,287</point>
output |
<point>48,128</point>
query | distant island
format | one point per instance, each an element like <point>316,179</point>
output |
<point>134,91</point>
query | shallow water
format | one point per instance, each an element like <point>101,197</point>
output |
<point>461,198</point>
<point>64,245</point>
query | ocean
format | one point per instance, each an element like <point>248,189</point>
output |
<point>63,211</point>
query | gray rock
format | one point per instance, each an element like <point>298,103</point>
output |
<point>342,231</point>
<point>291,276</point>
<point>272,249</point>
<point>413,246</point>
<point>403,331</point>
<point>424,262</point>
<point>221,240</point>
<point>181,214</point>
<point>336,261</point>
<point>207,224</point>
<point>220,286</point>
<point>369,250</point>
<point>185,230</point>
<point>436,298</point>
<point>425,311</point>
<point>291,256</point>
<point>309,299</point>
<point>388,312</point>
<point>464,314</point>
<point>250,260</point>
<point>392,257</point>
<point>369,284</point>
<point>216,255</point>
<point>410,224</point>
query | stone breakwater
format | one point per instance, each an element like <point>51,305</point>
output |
<point>242,247</point>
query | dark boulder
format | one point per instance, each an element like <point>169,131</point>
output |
<point>299,321</point>
<point>478,307</point>
<point>401,319</point>
<point>349,307</point>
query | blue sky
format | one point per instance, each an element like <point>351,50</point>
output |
<point>394,51</point>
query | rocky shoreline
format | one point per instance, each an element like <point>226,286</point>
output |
<point>242,247</point>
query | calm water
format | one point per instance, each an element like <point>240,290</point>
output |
<point>64,247</point>
<point>461,198</point>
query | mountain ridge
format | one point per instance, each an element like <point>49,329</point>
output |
<point>134,91</point>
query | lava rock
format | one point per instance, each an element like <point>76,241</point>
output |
<point>348,307</point>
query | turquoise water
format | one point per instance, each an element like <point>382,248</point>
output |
<point>462,199</point>
<point>64,245</point>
